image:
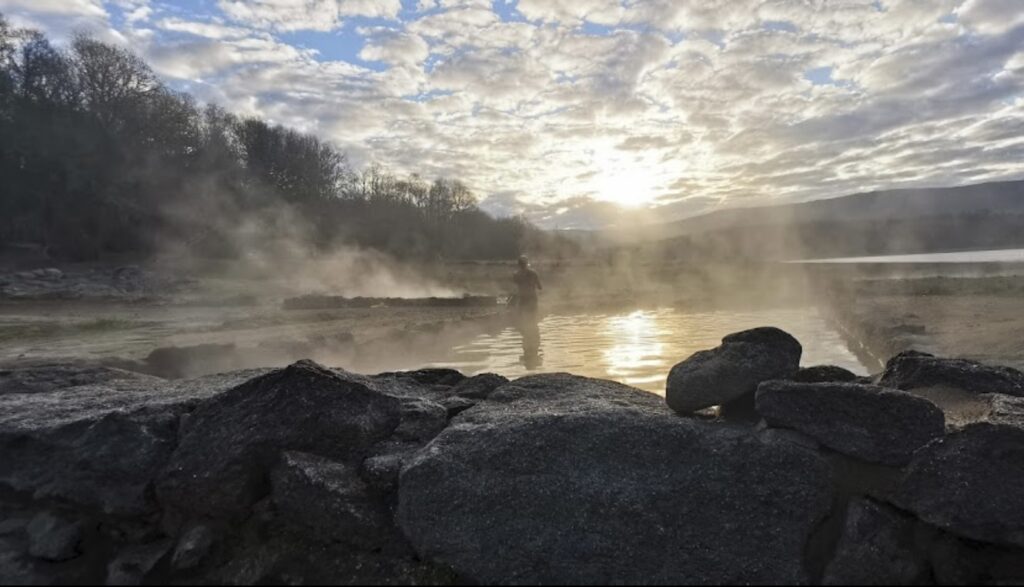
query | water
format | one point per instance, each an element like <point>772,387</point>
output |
<point>639,347</point>
<point>993,256</point>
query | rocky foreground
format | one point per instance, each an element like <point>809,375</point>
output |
<point>312,475</point>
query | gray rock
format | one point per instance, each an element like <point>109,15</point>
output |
<point>454,406</point>
<point>176,362</point>
<point>221,465</point>
<point>479,386</point>
<point>47,378</point>
<point>16,568</point>
<point>732,370</point>
<point>911,370</point>
<point>1005,409</point>
<point>956,561</point>
<point>193,547</point>
<point>445,377</point>
<point>562,479</point>
<point>422,420</point>
<point>328,499</point>
<point>95,437</point>
<point>107,463</point>
<point>132,564</point>
<point>865,421</point>
<point>382,470</point>
<point>824,374</point>
<point>969,483</point>
<point>53,538</point>
<point>877,547</point>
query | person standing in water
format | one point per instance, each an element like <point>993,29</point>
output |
<point>527,289</point>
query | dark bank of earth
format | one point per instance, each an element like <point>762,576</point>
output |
<point>311,475</point>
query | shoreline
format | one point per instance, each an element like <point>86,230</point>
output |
<point>308,474</point>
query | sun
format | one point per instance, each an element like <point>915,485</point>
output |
<point>628,185</point>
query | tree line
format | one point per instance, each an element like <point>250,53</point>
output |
<point>99,157</point>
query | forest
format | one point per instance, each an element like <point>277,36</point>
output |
<point>99,157</point>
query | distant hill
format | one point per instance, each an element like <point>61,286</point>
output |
<point>903,204</point>
<point>984,216</point>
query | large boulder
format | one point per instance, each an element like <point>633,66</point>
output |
<point>563,479</point>
<point>106,464</point>
<point>229,444</point>
<point>913,370</point>
<point>865,421</point>
<point>328,500</point>
<point>877,547</point>
<point>732,370</point>
<point>969,483</point>
<point>93,436</point>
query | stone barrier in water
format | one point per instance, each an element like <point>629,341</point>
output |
<point>314,475</point>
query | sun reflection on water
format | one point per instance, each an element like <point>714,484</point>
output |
<point>639,347</point>
<point>635,354</point>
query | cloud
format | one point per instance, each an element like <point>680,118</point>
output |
<point>297,15</point>
<point>562,110</point>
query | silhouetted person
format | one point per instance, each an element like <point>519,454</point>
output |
<point>527,288</point>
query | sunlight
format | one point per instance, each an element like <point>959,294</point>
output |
<point>636,348</point>
<point>626,184</point>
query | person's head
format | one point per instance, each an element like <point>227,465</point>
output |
<point>524,262</point>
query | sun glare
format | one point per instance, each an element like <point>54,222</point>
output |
<point>629,186</point>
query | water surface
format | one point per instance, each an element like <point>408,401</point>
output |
<point>992,256</point>
<point>639,347</point>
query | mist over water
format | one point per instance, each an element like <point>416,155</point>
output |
<point>639,347</point>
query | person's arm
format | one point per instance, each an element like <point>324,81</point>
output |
<point>536,279</point>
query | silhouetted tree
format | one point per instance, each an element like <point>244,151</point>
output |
<point>98,156</point>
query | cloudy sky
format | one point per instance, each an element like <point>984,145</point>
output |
<point>583,112</point>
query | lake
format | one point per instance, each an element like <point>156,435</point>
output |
<point>992,256</point>
<point>639,347</point>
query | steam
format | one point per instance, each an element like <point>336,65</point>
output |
<point>276,251</point>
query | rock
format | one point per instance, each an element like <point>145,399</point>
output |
<point>455,405</point>
<point>108,463</point>
<point>422,420</point>
<point>877,547</point>
<point>49,273</point>
<point>865,421</point>
<point>329,500</point>
<point>15,567</point>
<point>446,377</point>
<point>381,471</point>
<point>193,547</point>
<point>132,564</point>
<point>969,483</point>
<point>732,370</point>
<point>94,437</point>
<point>911,370</point>
<point>563,479</point>
<point>47,378</point>
<point>176,362</point>
<point>220,467</point>
<point>53,538</point>
<point>956,561</point>
<point>824,374</point>
<point>1004,409</point>
<point>479,386</point>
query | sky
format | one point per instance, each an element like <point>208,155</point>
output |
<point>586,113</point>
